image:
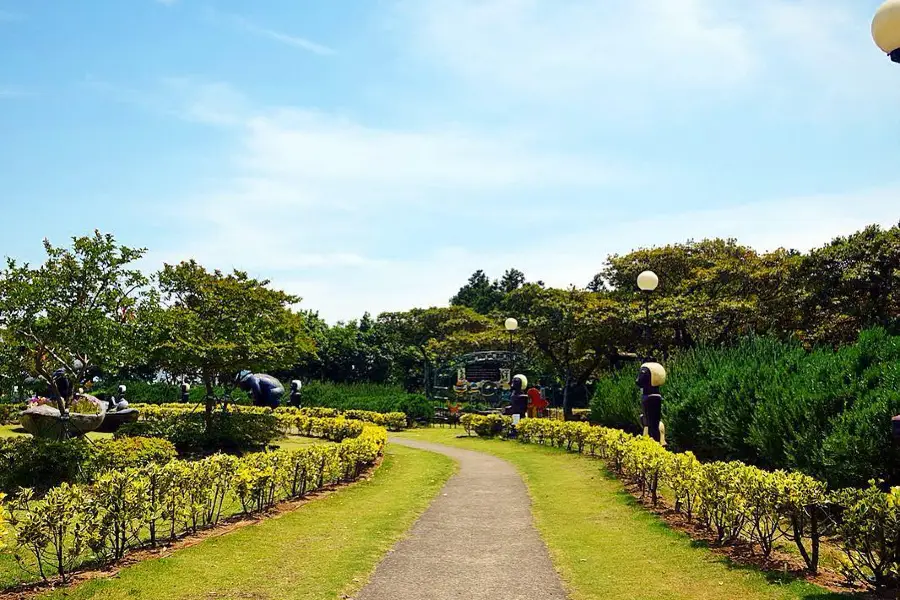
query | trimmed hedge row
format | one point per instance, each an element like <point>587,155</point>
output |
<point>43,464</point>
<point>392,421</point>
<point>129,508</point>
<point>738,501</point>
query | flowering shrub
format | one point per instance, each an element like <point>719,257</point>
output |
<point>127,508</point>
<point>85,406</point>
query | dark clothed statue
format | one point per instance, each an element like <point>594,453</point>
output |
<point>264,389</point>
<point>296,399</point>
<point>518,398</point>
<point>62,384</point>
<point>650,378</point>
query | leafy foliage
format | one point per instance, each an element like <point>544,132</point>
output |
<point>824,412</point>
<point>77,311</point>
<point>214,325</point>
<point>125,509</point>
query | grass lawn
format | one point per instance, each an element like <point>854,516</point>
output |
<point>323,550</point>
<point>606,546</point>
<point>16,430</point>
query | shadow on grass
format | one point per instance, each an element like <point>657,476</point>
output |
<point>771,576</point>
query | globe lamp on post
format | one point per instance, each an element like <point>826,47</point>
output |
<point>511,327</point>
<point>886,29</point>
<point>647,282</point>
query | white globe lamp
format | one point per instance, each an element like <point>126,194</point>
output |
<point>647,281</point>
<point>886,29</point>
<point>511,324</point>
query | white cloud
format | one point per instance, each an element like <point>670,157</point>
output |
<point>355,216</point>
<point>615,58</point>
<point>317,203</point>
<point>279,36</point>
<point>561,259</point>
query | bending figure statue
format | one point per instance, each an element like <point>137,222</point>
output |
<point>264,389</point>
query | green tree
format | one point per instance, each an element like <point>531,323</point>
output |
<point>479,294</point>
<point>77,311</point>
<point>712,291</point>
<point>425,329</point>
<point>851,284</point>
<point>212,325</point>
<point>574,331</point>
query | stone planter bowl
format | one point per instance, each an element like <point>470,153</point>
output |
<point>45,422</point>
<point>114,420</point>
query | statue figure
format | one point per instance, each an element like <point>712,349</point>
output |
<point>62,385</point>
<point>185,392</point>
<point>650,378</point>
<point>264,389</point>
<point>518,398</point>
<point>296,385</point>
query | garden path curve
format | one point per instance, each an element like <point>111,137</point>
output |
<point>476,541</point>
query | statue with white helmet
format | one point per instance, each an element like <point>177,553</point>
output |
<point>650,378</point>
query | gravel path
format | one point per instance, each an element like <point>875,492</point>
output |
<point>476,541</point>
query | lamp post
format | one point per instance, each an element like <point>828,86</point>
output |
<point>647,282</point>
<point>886,29</point>
<point>511,327</point>
<point>886,33</point>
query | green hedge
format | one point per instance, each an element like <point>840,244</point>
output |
<point>738,502</point>
<point>129,508</point>
<point>27,462</point>
<point>369,397</point>
<point>774,404</point>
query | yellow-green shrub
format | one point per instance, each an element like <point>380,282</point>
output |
<point>126,508</point>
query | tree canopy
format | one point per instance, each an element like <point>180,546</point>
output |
<point>211,325</point>
<point>75,312</point>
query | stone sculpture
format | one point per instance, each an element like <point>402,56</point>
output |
<point>264,389</point>
<point>651,376</point>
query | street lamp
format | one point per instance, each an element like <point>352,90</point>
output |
<point>647,282</point>
<point>886,29</point>
<point>511,326</point>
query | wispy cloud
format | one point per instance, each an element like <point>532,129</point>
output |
<point>9,17</point>
<point>344,192</point>
<point>13,92</point>
<point>284,38</point>
<point>805,56</point>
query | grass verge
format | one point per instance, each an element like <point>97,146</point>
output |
<point>324,550</point>
<point>606,546</point>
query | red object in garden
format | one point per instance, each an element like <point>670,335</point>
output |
<point>536,402</point>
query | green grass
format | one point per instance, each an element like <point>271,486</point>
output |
<point>320,551</point>
<point>16,430</point>
<point>606,546</point>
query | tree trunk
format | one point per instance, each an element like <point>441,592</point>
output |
<point>567,408</point>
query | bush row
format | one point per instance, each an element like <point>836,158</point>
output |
<point>392,421</point>
<point>358,396</point>
<point>42,464</point>
<point>128,508</point>
<point>369,397</point>
<point>824,412</point>
<point>737,501</point>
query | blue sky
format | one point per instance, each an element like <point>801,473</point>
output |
<point>369,155</point>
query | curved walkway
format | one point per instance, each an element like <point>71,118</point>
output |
<point>476,541</point>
